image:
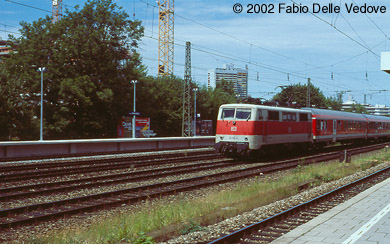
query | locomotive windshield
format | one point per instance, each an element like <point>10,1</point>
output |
<point>227,113</point>
<point>243,114</point>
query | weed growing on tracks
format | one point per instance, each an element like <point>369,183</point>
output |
<point>165,218</point>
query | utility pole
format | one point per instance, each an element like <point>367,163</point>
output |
<point>308,93</point>
<point>340,95</point>
<point>186,122</point>
<point>41,69</point>
<point>133,124</point>
<point>195,90</point>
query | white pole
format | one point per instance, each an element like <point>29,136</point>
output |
<point>134,82</point>
<point>41,122</point>
<point>195,90</point>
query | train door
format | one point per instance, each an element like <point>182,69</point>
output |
<point>334,130</point>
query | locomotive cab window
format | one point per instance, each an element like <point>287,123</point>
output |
<point>244,114</point>
<point>303,117</point>
<point>227,113</point>
<point>273,115</point>
<point>260,114</point>
<point>288,116</point>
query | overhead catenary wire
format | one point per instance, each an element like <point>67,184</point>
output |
<point>384,33</point>
<point>251,60</point>
<point>243,60</point>
<point>251,44</point>
<point>340,31</point>
<point>29,6</point>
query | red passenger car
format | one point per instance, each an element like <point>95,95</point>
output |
<point>331,126</point>
<point>378,127</point>
<point>243,128</point>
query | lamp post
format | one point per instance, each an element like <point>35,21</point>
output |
<point>41,69</point>
<point>195,90</point>
<point>134,82</point>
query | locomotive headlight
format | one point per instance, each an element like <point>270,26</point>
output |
<point>221,137</point>
<point>246,138</point>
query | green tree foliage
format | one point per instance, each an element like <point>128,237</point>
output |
<point>210,99</point>
<point>90,55</point>
<point>357,108</point>
<point>161,99</point>
<point>225,86</point>
<point>16,116</point>
<point>296,95</point>
<point>334,103</point>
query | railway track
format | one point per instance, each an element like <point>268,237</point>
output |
<point>275,226</point>
<point>17,192</point>
<point>45,211</point>
<point>10,173</point>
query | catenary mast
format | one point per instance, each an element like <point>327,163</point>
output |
<point>186,122</point>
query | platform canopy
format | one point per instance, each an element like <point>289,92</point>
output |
<point>385,61</point>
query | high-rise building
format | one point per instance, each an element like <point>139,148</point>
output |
<point>237,76</point>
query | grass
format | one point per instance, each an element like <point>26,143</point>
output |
<point>162,219</point>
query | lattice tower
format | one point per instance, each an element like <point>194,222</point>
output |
<point>56,10</point>
<point>186,123</point>
<point>165,37</point>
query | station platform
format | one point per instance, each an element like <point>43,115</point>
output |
<point>364,218</point>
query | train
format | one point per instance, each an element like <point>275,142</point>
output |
<point>247,129</point>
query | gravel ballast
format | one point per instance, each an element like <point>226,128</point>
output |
<point>78,222</point>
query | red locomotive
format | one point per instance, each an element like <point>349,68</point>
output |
<point>245,128</point>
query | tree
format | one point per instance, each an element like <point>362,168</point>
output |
<point>160,99</point>
<point>334,103</point>
<point>210,99</point>
<point>16,116</point>
<point>90,55</point>
<point>225,86</point>
<point>297,94</point>
<point>357,108</point>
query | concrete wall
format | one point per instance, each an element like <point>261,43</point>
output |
<point>67,147</point>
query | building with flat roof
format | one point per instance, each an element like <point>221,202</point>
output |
<point>377,109</point>
<point>237,76</point>
<point>5,49</point>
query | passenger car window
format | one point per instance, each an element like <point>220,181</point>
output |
<point>227,113</point>
<point>243,113</point>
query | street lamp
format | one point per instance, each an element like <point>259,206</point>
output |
<point>41,69</point>
<point>195,90</point>
<point>134,82</point>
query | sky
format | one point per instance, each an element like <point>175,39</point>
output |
<point>339,52</point>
